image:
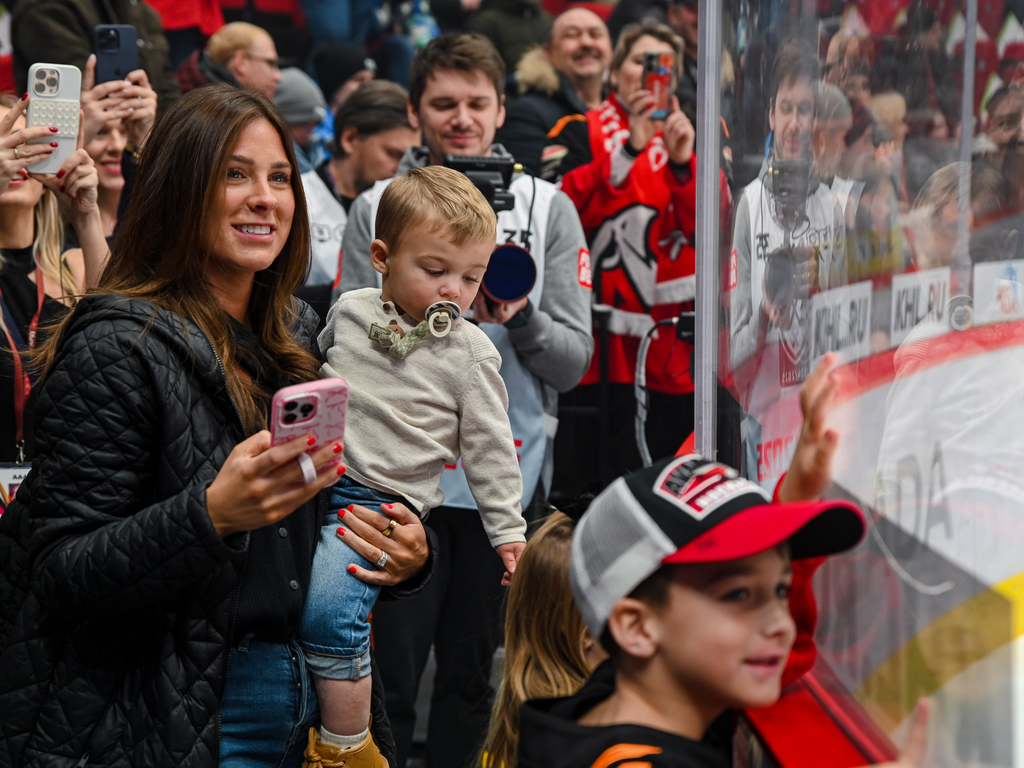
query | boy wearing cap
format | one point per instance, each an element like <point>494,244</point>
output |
<point>684,571</point>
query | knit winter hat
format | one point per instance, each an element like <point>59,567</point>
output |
<point>298,98</point>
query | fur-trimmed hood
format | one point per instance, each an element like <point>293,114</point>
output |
<point>537,76</point>
<point>535,73</point>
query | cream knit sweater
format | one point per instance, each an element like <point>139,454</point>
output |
<point>408,418</point>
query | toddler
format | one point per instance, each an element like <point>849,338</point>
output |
<point>424,389</point>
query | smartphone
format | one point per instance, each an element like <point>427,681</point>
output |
<point>315,407</point>
<point>56,91</point>
<point>657,79</point>
<point>117,51</point>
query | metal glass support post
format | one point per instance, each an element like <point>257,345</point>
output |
<point>705,370</point>
<point>962,261</point>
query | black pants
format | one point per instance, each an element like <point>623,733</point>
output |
<point>581,447</point>
<point>460,613</point>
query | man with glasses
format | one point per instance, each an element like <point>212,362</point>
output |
<point>240,54</point>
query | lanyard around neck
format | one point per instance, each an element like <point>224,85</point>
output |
<point>22,382</point>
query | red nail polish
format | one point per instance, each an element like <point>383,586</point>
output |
<point>310,440</point>
<point>341,512</point>
<point>386,506</point>
<point>53,129</point>
<point>349,507</point>
<point>342,469</point>
<point>61,172</point>
<point>351,569</point>
<point>337,448</point>
<point>54,144</point>
<point>24,96</point>
<point>341,531</point>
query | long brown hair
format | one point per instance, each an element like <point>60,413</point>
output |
<point>543,637</point>
<point>162,248</point>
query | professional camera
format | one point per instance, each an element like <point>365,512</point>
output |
<point>790,182</point>
<point>780,273</point>
<point>491,175</point>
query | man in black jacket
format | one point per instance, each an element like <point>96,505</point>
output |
<point>564,77</point>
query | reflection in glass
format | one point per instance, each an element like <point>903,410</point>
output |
<point>849,198</point>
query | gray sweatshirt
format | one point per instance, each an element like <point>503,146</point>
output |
<point>410,417</point>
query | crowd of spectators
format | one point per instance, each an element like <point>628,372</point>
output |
<point>837,155</point>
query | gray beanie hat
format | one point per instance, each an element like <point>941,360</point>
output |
<point>298,98</point>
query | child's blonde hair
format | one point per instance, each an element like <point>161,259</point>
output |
<point>544,635</point>
<point>444,200</point>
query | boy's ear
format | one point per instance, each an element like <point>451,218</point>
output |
<point>633,628</point>
<point>379,256</point>
<point>414,116</point>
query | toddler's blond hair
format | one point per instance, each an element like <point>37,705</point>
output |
<point>443,200</point>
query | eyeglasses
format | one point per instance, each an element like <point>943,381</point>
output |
<point>272,63</point>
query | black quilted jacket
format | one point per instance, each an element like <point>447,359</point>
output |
<point>116,591</point>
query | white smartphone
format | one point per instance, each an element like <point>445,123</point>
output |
<point>55,92</point>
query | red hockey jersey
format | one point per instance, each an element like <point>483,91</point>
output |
<point>640,233</point>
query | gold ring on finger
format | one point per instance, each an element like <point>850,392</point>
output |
<point>390,529</point>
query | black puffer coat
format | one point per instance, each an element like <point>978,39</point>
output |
<point>117,594</point>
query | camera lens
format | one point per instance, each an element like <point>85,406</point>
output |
<point>291,406</point>
<point>289,418</point>
<point>40,88</point>
<point>110,39</point>
<point>307,409</point>
<point>52,82</point>
<point>41,74</point>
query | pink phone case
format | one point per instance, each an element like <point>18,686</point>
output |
<point>316,407</point>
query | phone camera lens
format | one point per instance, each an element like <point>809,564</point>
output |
<point>52,82</point>
<point>307,409</point>
<point>289,418</point>
<point>291,406</point>
<point>40,88</point>
<point>41,74</point>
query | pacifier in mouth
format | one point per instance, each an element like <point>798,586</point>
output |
<point>441,316</point>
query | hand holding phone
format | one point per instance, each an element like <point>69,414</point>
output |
<point>131,100</point>
<point>657,80</point>
<point>315,408</point>
<point>13,164</point>
<point>55,91</point>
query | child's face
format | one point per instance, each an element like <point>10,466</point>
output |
<point>726,631</point>
<point>426,268</point>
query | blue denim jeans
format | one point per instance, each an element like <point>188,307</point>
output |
<point>335,629</point>
<point>268,706</point>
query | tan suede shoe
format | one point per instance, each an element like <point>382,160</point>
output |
<point>320,755</point>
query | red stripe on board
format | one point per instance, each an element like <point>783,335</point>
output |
<point>861,376</point>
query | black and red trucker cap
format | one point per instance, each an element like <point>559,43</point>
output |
<point>689,510</point>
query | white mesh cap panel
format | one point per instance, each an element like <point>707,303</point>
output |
<point>615,547</point>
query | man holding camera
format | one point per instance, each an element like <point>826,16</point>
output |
<point>456,99</point>
<point>788,242</point>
